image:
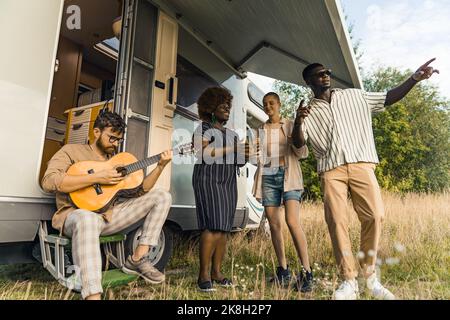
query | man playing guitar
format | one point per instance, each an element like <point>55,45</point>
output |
<point>85,227</point>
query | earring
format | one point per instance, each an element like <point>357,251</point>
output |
<point>213,118</point>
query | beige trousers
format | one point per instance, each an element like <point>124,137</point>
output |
<point>85,228</point>
<point>358,179</point>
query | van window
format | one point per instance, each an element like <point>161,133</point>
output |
<point>255,95</point>
<point>109,47</point>
<point>191,84</point>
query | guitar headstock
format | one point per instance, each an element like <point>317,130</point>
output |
<point>184,149</point>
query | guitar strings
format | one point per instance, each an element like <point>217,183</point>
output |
<point>142,164</point>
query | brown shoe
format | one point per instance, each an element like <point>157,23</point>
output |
<point>144,269</point>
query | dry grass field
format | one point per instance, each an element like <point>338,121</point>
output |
<point>414,260</point>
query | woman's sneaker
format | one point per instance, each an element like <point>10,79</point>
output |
<point>305,282</point>
<point>348,290</point>
<point>282,277</point>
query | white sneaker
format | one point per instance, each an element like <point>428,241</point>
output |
<point>348,290</point>
<point>73,282</point>
<point>377,290</point>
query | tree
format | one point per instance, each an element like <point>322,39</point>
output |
<point>356,43</point>
<point>412,136</point>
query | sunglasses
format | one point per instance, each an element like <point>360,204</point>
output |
<point>323,73</point>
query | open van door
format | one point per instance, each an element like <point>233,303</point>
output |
<point>146,97</point>
<point>146,83</point>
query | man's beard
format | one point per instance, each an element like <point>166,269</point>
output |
<point>106,150</point>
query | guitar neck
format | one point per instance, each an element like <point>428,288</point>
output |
<point>142,164</point>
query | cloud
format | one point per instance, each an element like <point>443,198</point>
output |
<point>407,33</point>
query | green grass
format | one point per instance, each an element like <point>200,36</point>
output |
<point>414,253</point>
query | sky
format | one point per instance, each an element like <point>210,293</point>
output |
<point>401,33</point>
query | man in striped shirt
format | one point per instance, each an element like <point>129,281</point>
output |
<point>338,124</point>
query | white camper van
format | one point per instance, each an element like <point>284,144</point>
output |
<point>62,61</point>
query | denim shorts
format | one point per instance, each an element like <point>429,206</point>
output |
<point>273,189</point>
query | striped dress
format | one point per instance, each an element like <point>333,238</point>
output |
<point>214,181</point>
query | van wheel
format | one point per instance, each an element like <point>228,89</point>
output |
<point>160,254</point>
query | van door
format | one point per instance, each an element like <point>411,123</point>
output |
<point>165,93</point>
<point>146,84</point>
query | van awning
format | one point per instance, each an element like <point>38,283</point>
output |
<point>274,38</point>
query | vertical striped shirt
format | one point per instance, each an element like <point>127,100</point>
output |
<point>340,132</point>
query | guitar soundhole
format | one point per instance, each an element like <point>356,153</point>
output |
<point>122,170</point>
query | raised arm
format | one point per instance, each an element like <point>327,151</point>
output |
<point>424,72</point>
<point>150,180</point>
<point>298,137</point>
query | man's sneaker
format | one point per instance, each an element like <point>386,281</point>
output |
<point>305,281</point>
<point>283,276</point>
<point>376,289</point>
<point>348,290</point>
<point>144,269</point>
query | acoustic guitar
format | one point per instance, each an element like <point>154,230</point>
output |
<point>98,198</point>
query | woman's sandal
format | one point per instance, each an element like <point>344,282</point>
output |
<point>206,286</point>
<point>225,282</point>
